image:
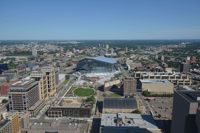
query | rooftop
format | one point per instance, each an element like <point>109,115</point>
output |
<point>23,84</point>
<point>69,102</point>
<point>128,120</point>
<point>191,96</point>
<point>157,81</point>
<point>105,59</point>
<point>120,103</point>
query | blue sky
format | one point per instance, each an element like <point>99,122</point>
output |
<point>99,19</point>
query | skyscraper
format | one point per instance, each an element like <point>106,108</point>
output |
<point>184,67</point>
<point>185,107</point>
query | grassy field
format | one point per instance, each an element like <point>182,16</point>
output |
<point>65,82</point>
<point>114,95</point>
<point>83,92</point>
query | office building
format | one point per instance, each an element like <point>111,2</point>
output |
<point>70,107</point>
<point>129,86</point>
<point>9,123</point>
<point>175,77</point>
<point>34,52</point>
<point>41,78</point>
<point>184,113</point>
<point>50,72</point>
<point>155,86</point>
<point>119,105</point>
<point>5,126</point>
<point>23,94</point>
<point>184,68</point>
<point>128,123</point>
<point>4,88</point>
<point>198,119</point>
<point>57,126</point>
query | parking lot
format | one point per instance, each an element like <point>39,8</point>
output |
<point>162,107</point>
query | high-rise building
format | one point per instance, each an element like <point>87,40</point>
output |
<point>23,94</point>
<point>162,58</point>
<point>34,52</point>
<point>188,60</point>
<point>198,119</point>
<point>42,83</point>
<point>184,114</point>
<point>51,79</point>
<point>129,86</point>
<point>184,68</point>
<point>193,59</point>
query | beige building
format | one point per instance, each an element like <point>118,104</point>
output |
<point>42,83</point>
<point>129,86</point>
<point>10,123</point>
<point>155,86</point>
<point>51,79</point>
<point>175,77</point>
<point>110,84</point>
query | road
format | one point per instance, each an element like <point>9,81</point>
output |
<point>54,100</point>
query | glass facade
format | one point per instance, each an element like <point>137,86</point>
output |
<point>95,66</point>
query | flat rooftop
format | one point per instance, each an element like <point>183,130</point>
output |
<point>120,103</point>
<point>191,96</point>
<point>128,120</point>
<point>70,126</point>
<point>161,73</point>
<point>69,102</point>
<point>156,81</point>
<point>23,84</point>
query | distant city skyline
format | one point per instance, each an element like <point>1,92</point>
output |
<point>99,20</point>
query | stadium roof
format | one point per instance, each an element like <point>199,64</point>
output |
<point>105,59</point>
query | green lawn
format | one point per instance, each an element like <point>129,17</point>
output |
<point>114,95</point>
<point>65,82</point>
<point>83,92</point>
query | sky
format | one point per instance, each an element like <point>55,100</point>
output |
<point>99,19</point>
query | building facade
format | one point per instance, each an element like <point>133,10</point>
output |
<point>185,105</point>
<point>23,94</point>
<point>128,123</point>
<point>41,78</point>
<point>184,67</point>
<point>97,65</point>
<point>10,123</point>
<point>175,78</point>
<point>51,79</point>
<point>155,86</point>
<point>129,86</point>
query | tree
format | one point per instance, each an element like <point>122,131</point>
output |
<point>4,101</point>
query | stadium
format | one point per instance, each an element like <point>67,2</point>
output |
<point>98,64</point>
